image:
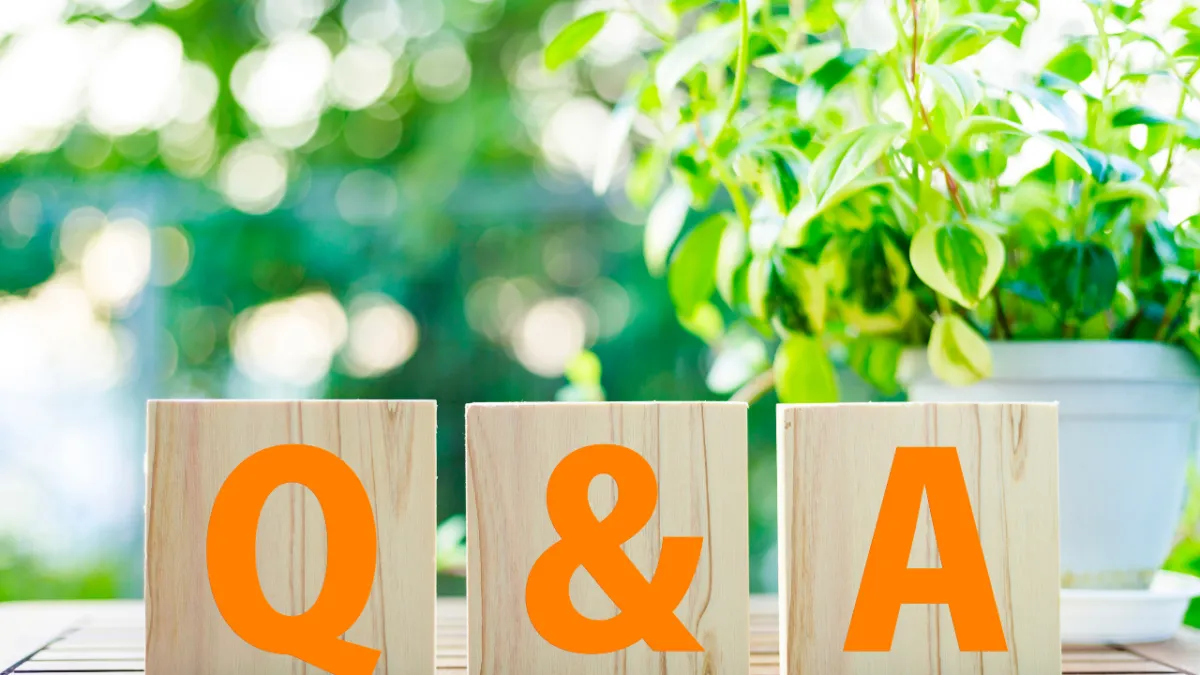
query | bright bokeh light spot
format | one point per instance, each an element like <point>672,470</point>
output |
<point>188,149</point>
<point>366,196</point>
<point>361,74</point>
<point>290,341</point>
<point>198,92</point>
<point>371,20</point>
<point>494,305</point>
<point>120,77</point>
<point>617,41</point>
<point>254,177</point>
<point>21,15</point>
<point>172,251</point>
<point>383,336</point>
<point>443,72</point>
<point>52,340</point>
<point>279,17</point>
<point>284,84</point>
<point>134,85</point>
<point>42,78</point>
<point>549,335</point>
<point>116,262</point>
<point>571,138</point>
<point>77,230</point>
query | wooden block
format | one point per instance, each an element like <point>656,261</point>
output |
<point>194,445</point>
<point>834,464</point>
<point>698,454</point>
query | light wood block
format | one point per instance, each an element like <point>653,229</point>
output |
<point>698,452</point>
<point>834,464</point>
<point>194,445</point>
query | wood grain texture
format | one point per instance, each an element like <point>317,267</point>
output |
<point>109,631</point>
<point>698,451</point>
<point>1182,651</point>
<point>834,463</point>
<point>192,448</point>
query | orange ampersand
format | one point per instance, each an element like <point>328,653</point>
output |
<point>647,608</point>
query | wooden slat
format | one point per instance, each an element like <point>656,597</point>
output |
<point>1182,652</point>
<point>1178,656</point>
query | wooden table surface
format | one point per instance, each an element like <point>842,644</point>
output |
<point>118,648</point>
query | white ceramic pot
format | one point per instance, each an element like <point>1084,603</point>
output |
<point>1128,421</point>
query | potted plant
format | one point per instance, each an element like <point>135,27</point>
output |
<point>838,183</point>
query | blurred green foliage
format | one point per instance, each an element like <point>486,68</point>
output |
<point>25,577</point>
<point>478,214</point>
<point>478,218</point>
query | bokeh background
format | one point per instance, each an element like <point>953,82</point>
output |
<point>317,198</point>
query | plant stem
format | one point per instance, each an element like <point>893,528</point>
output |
<point>1001,317</point>
<point>1135,258</point>
<point>647,25</point>
<point>756,388</point>
<point>1183,92</point>
<point>1130,327</point>
<point>740,206</point>
<point>1172,310</point>
<point>743,65</point>
<point>915,44</point>
<point>727,181</point>
<point>951,184</point>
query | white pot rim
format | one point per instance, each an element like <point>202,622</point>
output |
<point>1074,360</point>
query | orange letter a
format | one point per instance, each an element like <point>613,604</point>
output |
<point>961,582</point>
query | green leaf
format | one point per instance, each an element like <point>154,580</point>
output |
<point>1146,201</point>
<point>1073,124</point>
<point>837,69</point>
<point>1087,159</point>
<point>647,174</point>
<point>821,15</point>
<point>1190,49</point>
<point>692,273</point>
<point>876,360</point>
<point>809,284</point>
<point>965,35</point>
<point>959,87</point>
<point>984,124</point>
<point>620,123</point>
<point>877,270</point>
<point>1079,277</point>
<point>759,280</point>
<point>583,369</point>
<point>732,256</point>
<point>1105,168</point>
<point>573,38</point>
<point>680,7</point>
<point>663,225</point>
<point>797,66</point>
<point>705,322</point>
<point>804,373</point>
<point>1137,114</point>
<point>1187,234</point>
<point>784,186</point>
<point>845,159</point>
<point>451,547</point>
<point>962,261</point>
<point>1073,63</point>
<point>957,353</point>
<point>714,44</point>
<point>739,357</point>
<point>1061,84</point>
